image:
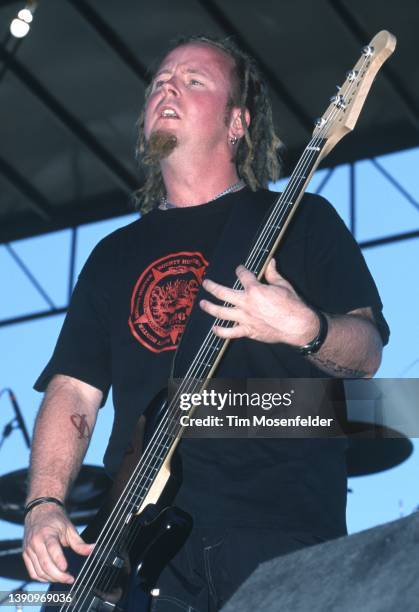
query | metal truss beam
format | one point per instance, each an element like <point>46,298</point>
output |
<point>15,46</point>
<point>73,252</point>
<point>354,27</point>
<point>34,316</point>
<point>19,261</point>
<point>74,213</point>
<point>36,200</point>
<point>277,86</point>
<point>53,310</point>
<point>125,178</point>
<point>352,200</point>
<point>368,244</point>
<point>325,180</point>
<point>395,183</point>
<point>111,38</point>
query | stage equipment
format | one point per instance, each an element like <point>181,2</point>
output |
<point>374,448</point>
<point>382,416</point>
<point>11,561</point>
<point>370,571</point>
<point>20,25</point>
<point>16,423</point>
<point>82,503</point>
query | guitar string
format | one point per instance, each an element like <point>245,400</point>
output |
<point>297,178</point>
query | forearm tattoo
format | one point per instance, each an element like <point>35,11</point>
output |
<point>339,370</point>
<point>79,421</point>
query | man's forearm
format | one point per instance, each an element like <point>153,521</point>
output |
<point>352,348</point>
<point>62,434</point>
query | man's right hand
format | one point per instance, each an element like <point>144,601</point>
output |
<point>47,530</point>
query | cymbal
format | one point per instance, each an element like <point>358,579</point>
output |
<point>375,448</point>
<point>381,417</point>
<point>11,562</point>
<point>82,503</point>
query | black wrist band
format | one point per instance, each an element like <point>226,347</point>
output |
<point>316,343</point>
<point>41,500</point>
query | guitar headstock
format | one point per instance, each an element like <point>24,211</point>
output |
<point>342,114</point>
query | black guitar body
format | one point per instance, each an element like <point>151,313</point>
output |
<point>128,568</point>
<point>130,574</point>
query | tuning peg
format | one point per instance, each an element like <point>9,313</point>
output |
<point>368,50</point>
<point>319,122</point>
<point>351,75</point>
<point>338,101</point>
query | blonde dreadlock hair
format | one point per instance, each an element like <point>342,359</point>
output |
<point>257,153</point>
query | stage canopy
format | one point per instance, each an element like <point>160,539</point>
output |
<point>72,89</point>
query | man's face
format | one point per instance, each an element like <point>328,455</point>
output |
<point>189,96</point>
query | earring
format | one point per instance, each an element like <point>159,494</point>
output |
<point>233,140</point>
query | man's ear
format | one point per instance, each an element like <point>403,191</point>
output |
<point>236,125</point>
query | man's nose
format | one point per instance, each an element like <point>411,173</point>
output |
<point>171,86</point>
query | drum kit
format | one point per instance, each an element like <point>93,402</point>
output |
<point>372,448</point>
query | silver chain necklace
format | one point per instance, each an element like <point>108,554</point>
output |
<point>165,205</point>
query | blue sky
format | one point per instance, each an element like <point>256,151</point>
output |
<point>381,211</point>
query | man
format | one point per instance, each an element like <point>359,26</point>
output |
<point>207,140</point>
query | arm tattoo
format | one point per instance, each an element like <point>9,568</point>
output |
<point>79,421</point>
<point>339,370</point>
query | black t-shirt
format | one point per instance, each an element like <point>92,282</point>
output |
<point>128,313</point>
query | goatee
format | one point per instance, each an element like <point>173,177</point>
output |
<point>159,146</point>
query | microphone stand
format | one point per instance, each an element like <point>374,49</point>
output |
<point>16,423</point>
<point>19,589</point>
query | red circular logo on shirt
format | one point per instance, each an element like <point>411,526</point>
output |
<point>163,298</point>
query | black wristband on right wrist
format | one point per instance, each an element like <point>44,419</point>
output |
<point>41,500</point>
<point>317,342</point>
